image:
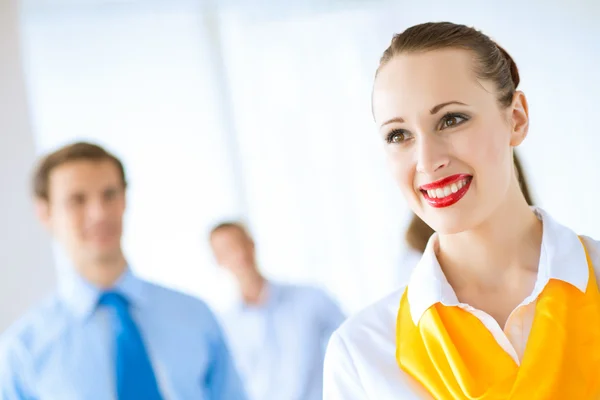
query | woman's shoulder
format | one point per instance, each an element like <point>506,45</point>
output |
<point>375,324</point>
<point>361,356</point>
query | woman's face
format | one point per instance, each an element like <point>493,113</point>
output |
<point>448,141</point>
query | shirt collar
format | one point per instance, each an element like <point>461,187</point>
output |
<point>82,296</point>
<point>562,257</point>
<point>271,291</point>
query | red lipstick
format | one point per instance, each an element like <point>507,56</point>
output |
<point>447,191</point>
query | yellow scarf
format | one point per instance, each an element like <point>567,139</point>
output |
<point>454,356</point>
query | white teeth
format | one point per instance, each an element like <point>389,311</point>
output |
<point>446,190</point>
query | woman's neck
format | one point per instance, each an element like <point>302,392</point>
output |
<point>497,252</point>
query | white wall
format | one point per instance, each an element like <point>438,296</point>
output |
<point>26,271</point>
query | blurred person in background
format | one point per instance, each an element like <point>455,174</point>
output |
<point>106,333</point>
<point>418,232</point>
<point>278,332</point>
<point>504,303</point>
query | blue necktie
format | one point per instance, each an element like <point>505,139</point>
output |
<point>135,378</point>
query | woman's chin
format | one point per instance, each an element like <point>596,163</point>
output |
<point>448,222</point>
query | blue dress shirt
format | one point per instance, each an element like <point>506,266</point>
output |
<point>62,349</point>
<point>279,346</point>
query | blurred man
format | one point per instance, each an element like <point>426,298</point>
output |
<point>107,334</point>
<point>278,333</point>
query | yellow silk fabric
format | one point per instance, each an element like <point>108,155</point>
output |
<point>454,356</point>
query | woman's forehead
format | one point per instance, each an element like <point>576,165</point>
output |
<point>415,82</point>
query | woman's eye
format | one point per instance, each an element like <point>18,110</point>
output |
<point>452,120</point>
<point>397,136</point>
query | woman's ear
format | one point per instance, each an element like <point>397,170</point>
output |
<point>519,118</point>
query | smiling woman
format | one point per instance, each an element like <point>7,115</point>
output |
<point>430,115</point>
<point>503,297</point>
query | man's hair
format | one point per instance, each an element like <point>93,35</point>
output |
<point>79,151</point>
<point>230,224</point>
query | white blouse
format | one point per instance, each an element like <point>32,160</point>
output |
<point>361,363</point>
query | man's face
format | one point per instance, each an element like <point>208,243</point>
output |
<point>233,250</point>
<point>84,210</point>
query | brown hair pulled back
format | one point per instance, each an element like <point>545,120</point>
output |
<point>493,63</point>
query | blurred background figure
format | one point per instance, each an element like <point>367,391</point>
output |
<point>106,333</point>
<point>418,232</point>
<point>278,332</point>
